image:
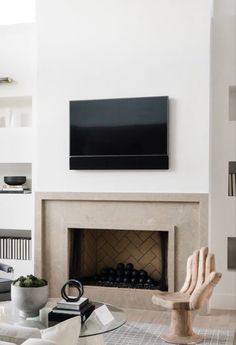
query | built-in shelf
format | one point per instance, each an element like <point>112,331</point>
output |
<point>16,211</point>
<point>232,102</point>
<point>16,169</point>
<point>15,112</point>
<point>15,244</point>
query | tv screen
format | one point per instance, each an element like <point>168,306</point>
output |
<point>118,128</point>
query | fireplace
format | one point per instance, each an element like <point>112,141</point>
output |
<point>119,258</point>
<point>182,218</point>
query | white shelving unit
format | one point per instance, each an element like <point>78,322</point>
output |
<point>17,61</point>
<point>16,154</point>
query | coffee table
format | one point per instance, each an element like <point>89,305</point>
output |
<point>91,331</point>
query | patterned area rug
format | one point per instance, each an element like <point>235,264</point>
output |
<point>136,333</point>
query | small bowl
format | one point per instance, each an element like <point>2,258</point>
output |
<point>14,180</point>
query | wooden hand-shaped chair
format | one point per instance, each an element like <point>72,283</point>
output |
<point>197,289</point>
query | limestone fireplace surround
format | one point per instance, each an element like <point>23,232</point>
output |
<point>183,216</point>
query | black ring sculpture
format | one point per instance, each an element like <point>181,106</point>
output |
<point>75,283</point>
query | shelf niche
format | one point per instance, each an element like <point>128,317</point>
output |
<point>16,169</point>
<point>15,112</point>
<point>15,244</point>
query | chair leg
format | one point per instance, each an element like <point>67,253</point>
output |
<point>181,331</point>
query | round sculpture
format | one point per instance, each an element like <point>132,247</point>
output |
<point>76,284</point>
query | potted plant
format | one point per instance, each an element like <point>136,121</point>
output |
<point>29,294</point>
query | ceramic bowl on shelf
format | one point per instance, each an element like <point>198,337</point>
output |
<point>15,180</point>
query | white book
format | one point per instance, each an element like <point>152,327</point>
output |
<point>12,188</point>
<point>65,311</point>
<point>72,305</point>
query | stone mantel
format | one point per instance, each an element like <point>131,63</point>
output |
<point>58,211</point>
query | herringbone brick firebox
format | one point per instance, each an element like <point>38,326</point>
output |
<point>92,250</point>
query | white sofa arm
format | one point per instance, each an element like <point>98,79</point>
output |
<point>17,334</point>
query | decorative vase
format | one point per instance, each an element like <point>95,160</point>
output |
<point>29,300</point>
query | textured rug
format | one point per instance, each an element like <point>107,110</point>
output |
<point>136,333</point>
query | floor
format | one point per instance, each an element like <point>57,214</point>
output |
<point>220,319</point>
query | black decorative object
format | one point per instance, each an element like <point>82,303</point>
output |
<point>125,276</point>
<point>142,274</point>
<point>126,280</point>
<point>149,281</point>
<point>142,280</point>
<point>76,284</point>
<point>134,273</point>
<point>118,279</point>
<point>119,272</point>
<point>127,272</point>
<point>15,180</point>
<point>120,266</point>
<point>112,272</point>
<point>129,266</point>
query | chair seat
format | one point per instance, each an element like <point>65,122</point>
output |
<point>172,300</point>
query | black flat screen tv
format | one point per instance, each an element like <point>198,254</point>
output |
<point>124,133</point>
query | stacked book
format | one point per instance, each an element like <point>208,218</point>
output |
<point>66,310</point>
<point>14,189</point>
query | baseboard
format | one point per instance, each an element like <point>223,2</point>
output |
<point>223,301</point>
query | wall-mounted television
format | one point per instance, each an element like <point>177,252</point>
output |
<point>123,133</point>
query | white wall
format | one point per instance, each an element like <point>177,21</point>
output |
<point>127,48</point>
<point>17,59</point>
<point>223,147</point>
<point>14,11</point>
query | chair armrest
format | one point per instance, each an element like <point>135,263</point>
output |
<point>202,294</point>
<point>6,268</point>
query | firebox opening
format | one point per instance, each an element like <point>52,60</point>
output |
<point>119,258</point>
